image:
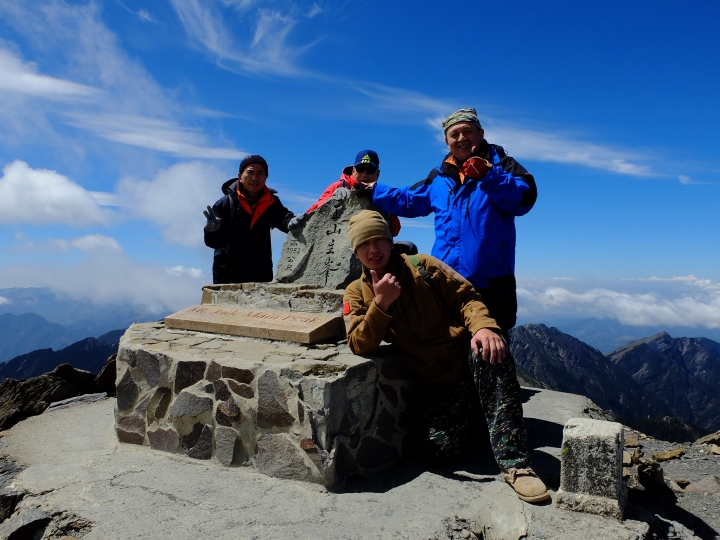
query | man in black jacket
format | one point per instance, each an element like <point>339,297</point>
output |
<point>238,225</point>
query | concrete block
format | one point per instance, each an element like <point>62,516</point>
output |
<point>591,473</point>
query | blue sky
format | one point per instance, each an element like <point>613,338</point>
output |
<point>121,119</point>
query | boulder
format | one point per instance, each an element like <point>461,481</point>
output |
<point>22,399</point>
<point>105,380</point>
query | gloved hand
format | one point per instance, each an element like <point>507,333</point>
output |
<point>364,190</point>
<point>213,221</point>
<point>341,193</point>
<point>297,220</point>
<point>476,167</point>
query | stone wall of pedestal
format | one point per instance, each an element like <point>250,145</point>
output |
<point>316,413</point>
<point>276,296</point>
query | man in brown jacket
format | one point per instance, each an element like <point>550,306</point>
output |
<point>445,335</point>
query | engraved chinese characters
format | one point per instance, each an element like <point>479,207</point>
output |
<point>318,252</point>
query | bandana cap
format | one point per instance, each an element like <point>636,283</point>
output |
<point>463,115</point>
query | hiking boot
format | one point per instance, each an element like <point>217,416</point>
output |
<point>526,484</point>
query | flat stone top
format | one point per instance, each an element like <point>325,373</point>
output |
<point>283,325</point>
<point>586,427</point>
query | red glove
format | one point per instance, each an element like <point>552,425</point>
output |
<point>476,167</point>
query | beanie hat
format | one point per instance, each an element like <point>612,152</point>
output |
<point>365,226</point>
<point>252,159</point>
<point>463,115</point>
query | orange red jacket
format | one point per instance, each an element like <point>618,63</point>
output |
<point>347,181</point>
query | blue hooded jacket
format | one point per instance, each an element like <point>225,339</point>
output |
<point>474,220</point>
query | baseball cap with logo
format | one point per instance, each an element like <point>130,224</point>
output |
<point>367,157</point>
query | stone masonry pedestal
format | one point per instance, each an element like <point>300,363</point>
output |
<point>306,412</point>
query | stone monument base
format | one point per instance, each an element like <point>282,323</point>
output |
<point>306,412</point>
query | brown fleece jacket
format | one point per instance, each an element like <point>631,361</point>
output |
<point>431,326</point>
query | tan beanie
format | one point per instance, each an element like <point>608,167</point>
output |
<point>367,225</point>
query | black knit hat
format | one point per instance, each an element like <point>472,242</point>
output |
<point>250,160</point>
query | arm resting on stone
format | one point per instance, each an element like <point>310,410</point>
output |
<point>281,216</point>
<point>461,298</point>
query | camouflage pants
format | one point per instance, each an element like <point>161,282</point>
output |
<point>447,413</point>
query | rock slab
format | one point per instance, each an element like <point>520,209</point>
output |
<point>256,323</point>
<point>318,251</point>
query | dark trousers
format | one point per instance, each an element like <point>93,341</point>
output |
<point>447,413</point>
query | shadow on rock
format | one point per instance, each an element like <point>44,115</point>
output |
<point>543,433</point>
<point>658,506</point>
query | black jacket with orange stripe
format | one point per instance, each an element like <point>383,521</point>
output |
<point>243,250</point>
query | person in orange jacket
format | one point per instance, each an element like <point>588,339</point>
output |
<point>365,170</point>
<point>238,225</point>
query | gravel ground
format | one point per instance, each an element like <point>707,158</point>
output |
<point>699,512</point>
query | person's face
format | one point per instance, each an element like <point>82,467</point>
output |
<point>462,137</point>
<point>375,254</point>
<point>253,178</point>
<point>366,173</point>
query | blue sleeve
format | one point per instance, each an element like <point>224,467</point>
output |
<point>409,202</point>
<point>509,185</point>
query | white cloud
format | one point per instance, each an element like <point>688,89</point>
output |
<point>241,5</point>
<point>681,301</point>
<point>267,52</point>
<point>520,142</point>
<point>557,148</point>
<point>40,196</point>
<point>174,199</point>
<point>119,100</point>
<point>90,242</point>
<point>22,78</point>
<point>180,271</point>
<point>145,16</point>
<point>153,133</point>
<point>4,300</point>
<point>105,277</point>
<point>315,9</point>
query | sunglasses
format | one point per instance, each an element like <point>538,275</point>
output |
<point>363,168</point>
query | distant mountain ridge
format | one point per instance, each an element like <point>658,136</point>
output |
<point>609,334</point>
<point>567,364</point>
<point>38,318</point>
<point>656,376</point>
<point>88,354</point>
<point>682,374</point>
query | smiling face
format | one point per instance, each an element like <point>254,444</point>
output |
<point>375,254</point>
<point>253,178</point>
<point>361,173</point>
<point>462,137</point>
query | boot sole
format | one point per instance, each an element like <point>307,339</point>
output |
<point>537,498</point>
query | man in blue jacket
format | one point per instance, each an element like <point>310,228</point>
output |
<point>475,193</point>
